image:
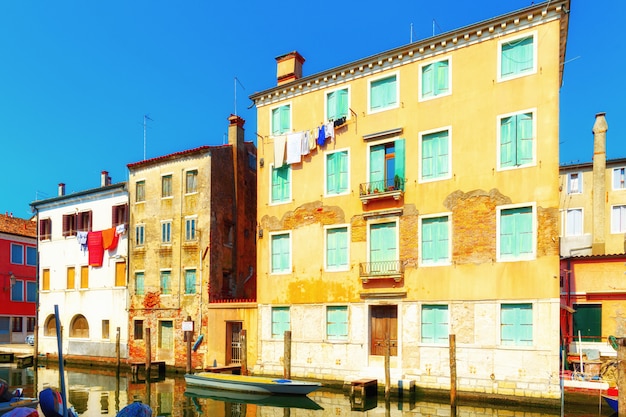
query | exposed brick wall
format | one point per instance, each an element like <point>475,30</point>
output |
<point>547,231</point>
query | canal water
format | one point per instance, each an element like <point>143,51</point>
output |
<point>95,392</point>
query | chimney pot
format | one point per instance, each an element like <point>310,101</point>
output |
<point>105,179</point>
<point>61,189</point>
<point>289,67</point>
<point>235,130</point>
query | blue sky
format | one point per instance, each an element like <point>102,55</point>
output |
<point>77,77</point>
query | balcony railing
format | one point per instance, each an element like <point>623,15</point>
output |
<point>387,188</point>
<point>381,269</point>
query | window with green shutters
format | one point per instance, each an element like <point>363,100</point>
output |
<point>281,253</point>
<point>435,324</point>
<point>337,248</point>
<point>516,324</point>
<point>387,166</point>
<point>383,93</point>
<point>190,281</point>
<point>435,79</point>
<point>435,242</point>
<point>436,155</point>
<point>281,120</point>
<point>516,140</point>
<point>337,322</point>
<point>280,322</point>
<point>166,282</point>
<point>337,172</point>
<point>139,283</point>
<point>337,104</point>
<point>517,57</point>
<point>383,248</point>
<point>281,184</point>
<point>516,233</point>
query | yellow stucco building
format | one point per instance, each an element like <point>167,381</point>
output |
<point>413,195</point>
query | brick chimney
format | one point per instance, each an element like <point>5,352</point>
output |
<point>235,131</point>
<point>105,179</point>
<point>289,67</point>
<point>61,189</point>
<point>600,127</point>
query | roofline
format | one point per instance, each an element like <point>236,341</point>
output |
<point>466,33</point>
<point>592,257</point>
<point>37,203</point>
<point>616,161</point>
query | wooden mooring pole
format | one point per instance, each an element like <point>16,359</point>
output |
<point>148,353</point>
<point>387,368</point>
<point>188,337</point>
<point>117,350</point>
<point>287,355</point>
<point>244,352</point>
<point>452,339</point>
<point>621,376</point>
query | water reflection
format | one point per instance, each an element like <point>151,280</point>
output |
<point>95,392</point>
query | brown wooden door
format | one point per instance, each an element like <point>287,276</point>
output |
<point>384,323</point>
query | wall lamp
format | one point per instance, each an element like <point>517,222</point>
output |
<point>11,281</point>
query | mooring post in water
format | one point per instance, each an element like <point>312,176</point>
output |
<point>287,355</point>
<point>117,350</point>
<point>188,337</point>
<point>148,353</point>
<point>387,367</point>
<point>244,352</point>
<point>621,376</point>
<point>452,339</point>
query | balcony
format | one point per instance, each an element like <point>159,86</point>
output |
<point>387,188</point>
<point>381,270</point>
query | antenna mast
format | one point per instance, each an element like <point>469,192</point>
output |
<point>235,81</point>
<point>145,119</point>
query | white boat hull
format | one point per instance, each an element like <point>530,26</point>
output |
<point>251,383</point>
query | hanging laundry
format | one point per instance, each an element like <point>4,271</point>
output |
<point>279,151</point>
<point>109,239</point>
<point>312,139</point>
<point>96,250</point>
<point>321,135</point>
<point>340,121</point>
<point>120,229</point>
<point>294,148</point>
<point>305,143</point>
<point>330,131</point>
<point>81,237</point>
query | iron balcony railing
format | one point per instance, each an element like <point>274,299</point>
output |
<point>381,269</point>
<point>390,187</point>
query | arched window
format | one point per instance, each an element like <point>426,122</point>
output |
<point>50,328</point>
<point>79,327</point>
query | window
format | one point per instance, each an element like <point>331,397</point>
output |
<point>45,229</point>
<point>618,219</point>
<point>69,225</point>
<point>17,254</point>
<point>30,324</point>
<point>386,166</point>
<point>281,253</point>
<point>79,327</point>
<point>383,93</point>
<point>50,326</point>
<point>139,283</point>
<point>280,321</point>
<point>337,248</point>
<point>190,281</point>
<point>337,104</point>
<point>191,181</point>
<point>619,178</point>
<point>517,57</point>
<point>71,277</point>
<point>166,232</point>
<point>383,247</point>
<point>435,155</point>
<point>31,291</point>
<point>516,324</point>
<point>166,186</point>
<point>105,329</point>
<point>166,282</point>
<point>190,228</point>
<point>435,324</point>
<point>140,234</point>
<point>45,280</point>
<point>140,191</point>
<point>587,321</point>
<point>280,119</point>
<point>337,322</point>
<point>120,274</point>
<point>337,178</point>
<point>252,161</point>
<point>435,240</point>
<point>119,214</point>
<point>138,329</point>
<point>17,291</point>
<point>435,79</point>
<point>516,233</point>
<point>84,276</point>
<point>281,184</point>
<point>516,140</point>
<point>31,256</point>
<point>83,221</point>
<point>574,183</point>
<point>16,324</point>
<point>574,222</point>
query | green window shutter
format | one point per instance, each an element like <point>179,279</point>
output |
<point>435,155</point>
<point>285,119</point>
<point>383,93</point>
<point>524,225</point>
<point>399,157</point>
<point>331,105</point>
<point>280,321</point>
<point>435,240</point>
<point>442,154</point>
<point>280,253</point>
<point>276,121</point>
<point>507,230</point>
<point>337,322</point>
<point>428,324</point>
<point>342,169</point>
<point>428,240</point>
<point>516,234</point>
<point>441,239</point>
<point>516,324</point>
<point>383,242</point>
<point>507,142</point>
<point>441,77</point>
<point>342,104</point>
<point>428,80</point>
<point>377,166</point>
<point>517,57</point>
<point>337,247</point>
<point>435,324</point>
<point>190,282</point>
<point>331,173</point>
<point>524,138</point>
<point>428,157</point>
<point>280,183</point>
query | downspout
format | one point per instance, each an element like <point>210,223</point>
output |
<point>37,275</point>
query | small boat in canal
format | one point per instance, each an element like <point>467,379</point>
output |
<point>611,398</point>
<point>12,400</point>
<point>244,383</point>
<point>263,399</point>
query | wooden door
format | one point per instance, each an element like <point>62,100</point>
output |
<point>384,324</point>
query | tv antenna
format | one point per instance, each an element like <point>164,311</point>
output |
<point>236,81</point>
<point>145,120</point>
